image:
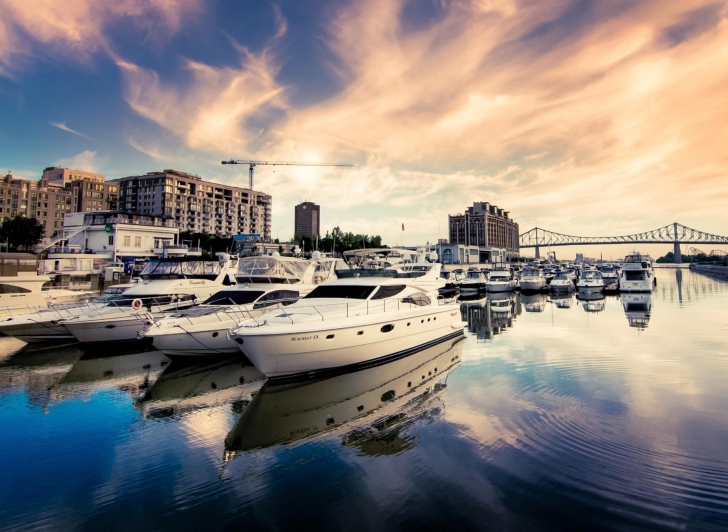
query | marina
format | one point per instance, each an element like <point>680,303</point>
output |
<point>614,402</point>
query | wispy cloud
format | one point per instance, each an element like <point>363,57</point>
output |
<point>76,31</point>
<point>62,126</point>
<point>85,161</point>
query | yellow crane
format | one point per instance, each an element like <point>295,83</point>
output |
<point>252,164</point>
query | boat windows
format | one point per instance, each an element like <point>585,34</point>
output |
<point>233,297</point>
<point>386,291</point>
<point>283,297</point>
<point>181,269</point>
<point>638,275</point>
<point>387,328</point>
<point>12,289</point>
<point>421,300</point>
<point>340,292</point>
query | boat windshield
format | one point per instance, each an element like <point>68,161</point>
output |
<point>592,276</point>
<point>531,272</point>
<point>178,269</point>
<point>387,291</point>
<point>267,269</point>
<point>562,276</point>
<point>334,291</point>
<point>474,274</point>
<point>233,297</point>
<point>500,275</point>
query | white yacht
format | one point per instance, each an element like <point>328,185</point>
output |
<point>23,290</point>
<point>501,281</point>
<point>638,274</point>
<point>348,323</point>
<point>269,282</point>
<point>610,274</point>
<point>166,285</point>
<point>44,325</point>
<point>562,282</point>
<point>473,283</point>
<point>532,279</point>
<point>590,280</point>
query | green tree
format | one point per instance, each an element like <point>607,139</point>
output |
<point>21,232</point>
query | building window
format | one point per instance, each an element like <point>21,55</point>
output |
<point>137,241</point>
<point>111,240</point>
<point>127,240</point>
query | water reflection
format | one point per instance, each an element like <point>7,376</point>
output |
<point>191,385</point>
<point>492,315</point>
<point>563,300</point>
<point>637,307</point>
<point>398,391</point>
<point>591,301</point>
<point>534,302</point>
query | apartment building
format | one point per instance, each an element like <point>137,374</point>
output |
<point>486,226</point>
<point>307,220</point>
<point>196,205</point>
<point>93,192</point>
<point>35,199</point>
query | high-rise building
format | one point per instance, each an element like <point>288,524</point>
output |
<point>486,226</point>
<point>308,220</point>
<point>196,205</point>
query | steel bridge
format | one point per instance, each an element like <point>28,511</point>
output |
<point>675,234</point>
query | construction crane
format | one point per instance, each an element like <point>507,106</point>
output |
<point>253,164</point>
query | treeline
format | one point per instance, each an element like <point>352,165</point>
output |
<point>21,232</point>
<point>669,258</point>
<point>210,244</point>
<point>340,241</point>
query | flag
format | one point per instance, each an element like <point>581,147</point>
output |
<point>402,227</point>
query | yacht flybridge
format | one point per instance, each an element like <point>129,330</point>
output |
<point>347,323</point>
<point>638,274</point>
<point>166,285</point>
<point>270,282</point>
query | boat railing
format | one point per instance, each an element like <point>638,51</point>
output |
<point>358,307</point>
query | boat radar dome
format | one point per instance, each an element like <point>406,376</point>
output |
<point>316,255</point>
<point>276,254</point>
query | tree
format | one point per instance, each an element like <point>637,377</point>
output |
<point>21,232</point>
<point>208,243</point>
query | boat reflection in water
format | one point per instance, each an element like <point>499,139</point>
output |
<point>36,372</point>
<point>534,302</point>
<point>591,301</point>
<point>188,385</point>
<point>399,391</point>
<point>563,299</point>
<point>637,307</point>
<point>492,315</point>
<point>131,373</point>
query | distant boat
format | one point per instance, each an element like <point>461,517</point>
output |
<point>638,274</point>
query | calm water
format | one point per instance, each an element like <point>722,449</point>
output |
<point>552,413</point>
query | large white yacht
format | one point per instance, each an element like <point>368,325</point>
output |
<point>638,274</point>
<point>23,290</point>
<point>44,325</point>
<point>532,279</point>
<point>347,323</point>
<point>269,282</point>
<point>166,285</point>
<point>501,281</point>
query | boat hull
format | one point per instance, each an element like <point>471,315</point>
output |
<point>200,343</point>
<point>344,343</point>
<point>500,287</point>
<point>533,286</point>
<point>122,328</point>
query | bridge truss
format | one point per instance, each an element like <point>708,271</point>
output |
<point>674,233</point>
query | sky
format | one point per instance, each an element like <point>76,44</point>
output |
<point>582,117</point>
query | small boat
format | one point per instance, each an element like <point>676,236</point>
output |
<point>348,323</point>
<point>532,279</point>
<point>562,282</point>
<point>475,281</point>
<point>590,281</point>
<point>501,281</point>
